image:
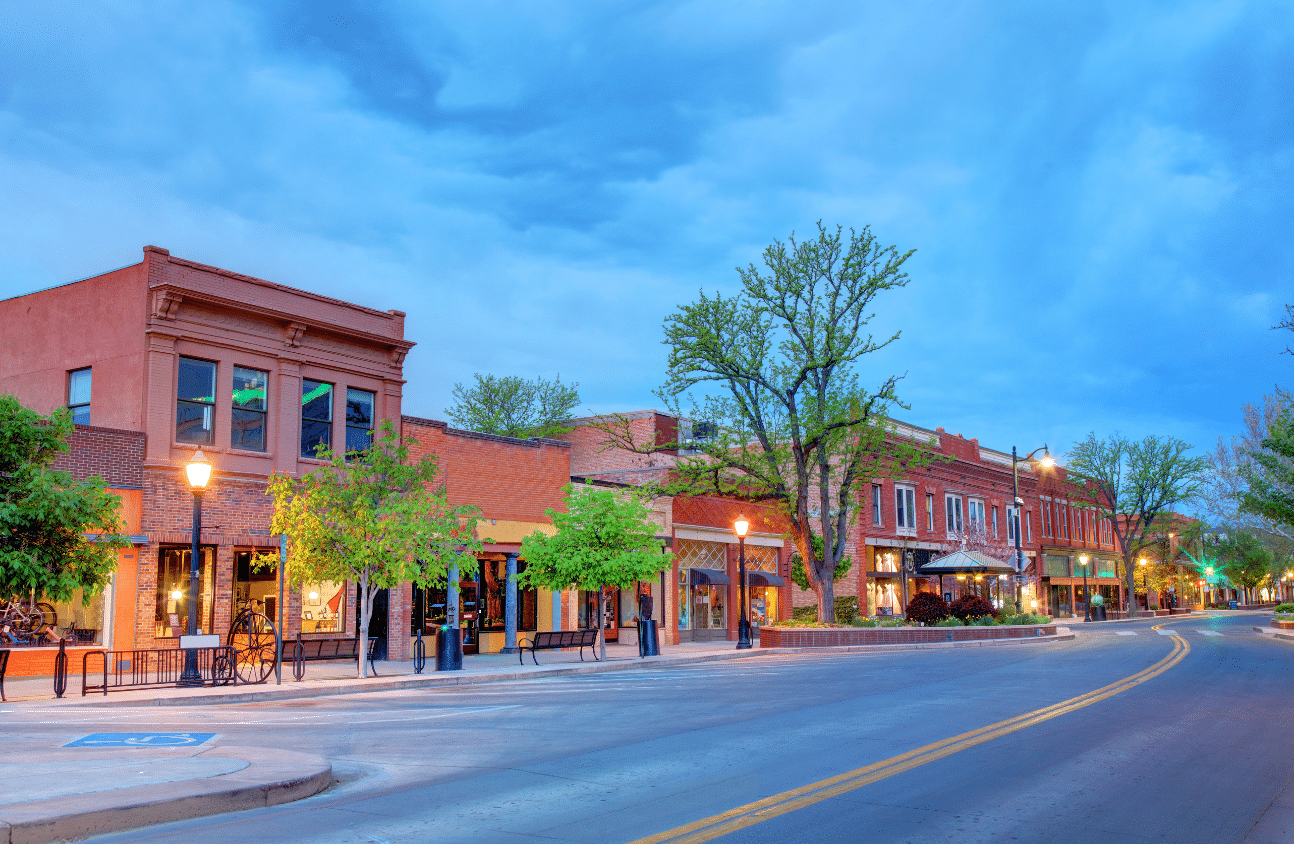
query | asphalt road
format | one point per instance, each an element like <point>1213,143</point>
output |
<point>1189,749</point>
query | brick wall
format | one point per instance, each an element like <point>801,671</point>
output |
<point>114,455</point>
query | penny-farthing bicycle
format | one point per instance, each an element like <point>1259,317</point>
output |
<point>251,634</point>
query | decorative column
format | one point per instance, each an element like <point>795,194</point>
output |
<point>510,607</point>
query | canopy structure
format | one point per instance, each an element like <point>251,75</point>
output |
<point>701,576</point>
<point>761,579</point>
<point>965,561</point>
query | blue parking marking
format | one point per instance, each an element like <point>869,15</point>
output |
<point>134,740</point>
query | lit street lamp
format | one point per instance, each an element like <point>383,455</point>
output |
<point>199,472</point>
<point>741,526</point>
<point>1046,461</point>
<point>1145,580</point>
<point>1087,599</point>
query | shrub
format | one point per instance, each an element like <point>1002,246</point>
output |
<point>971,606</point>
<point>863,623</point>
<point>891,622</point>
<point>1154,608</point>
<point>846,607</point>
<point>1285,608</point>
<point>804,612</point>
<point>986,620</point>
<point>949,622</point>
<point>926,607</point>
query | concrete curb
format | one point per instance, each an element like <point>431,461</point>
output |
<point>272,777</point>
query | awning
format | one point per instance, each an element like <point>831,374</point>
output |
<point>758,577</point>
<point>702,576</point>
<point>964,561</point>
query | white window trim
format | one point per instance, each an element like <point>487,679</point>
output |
<point>953,514</point>
<point>908,495</point>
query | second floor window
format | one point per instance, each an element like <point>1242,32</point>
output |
<point>930,512</point>
<point>316,417</point>
<point>1012,523</point>
<point>994,510</point>
<point>359,419</point>
<point>78,395</point>
<point>976,515</point>
<point>905,513</point>
<point>953,507</point>
<point>247,425</point>
<point>195,402</point>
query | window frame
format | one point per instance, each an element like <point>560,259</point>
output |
<point>235,409</point>
<point>930,512</point>
<point>313,453</point>
<point>975,515</point>
<point>372,423</point>
<point>209,406</point>
<point>905,502</point>
<point>877,516</point>
<point>76,408</point>
<point>953,507</point>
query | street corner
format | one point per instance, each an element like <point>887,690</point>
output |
<point>137,786</point>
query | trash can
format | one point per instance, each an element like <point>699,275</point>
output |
<point>449,649</point>
<point>647,643</point>
<point>1098,613</point>
<point>1233,604</point>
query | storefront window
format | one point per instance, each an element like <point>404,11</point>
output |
<point>258,585</point>
<point>494,580</point>
<point>887,561</point>
<point>708,606</point>
<point>79,620</point>
<point>684,605</point>
<point>885,597</point>
<point>171,614</point>
<point>763,605</point>
<point>323,607</point>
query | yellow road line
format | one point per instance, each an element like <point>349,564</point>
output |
<point>754,813</point>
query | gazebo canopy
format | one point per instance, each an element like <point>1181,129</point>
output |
<point>965,561</point>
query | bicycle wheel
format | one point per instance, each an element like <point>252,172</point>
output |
<point>252,637</point>
<point>51,615</point>
<point>28,620</point>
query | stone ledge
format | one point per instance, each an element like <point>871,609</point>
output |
<point>788,637</point>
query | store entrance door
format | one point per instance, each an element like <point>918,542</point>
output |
<point>376,623</point>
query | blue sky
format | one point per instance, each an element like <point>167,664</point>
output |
<point>1099,193</point>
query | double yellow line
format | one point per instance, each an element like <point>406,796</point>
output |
<point>793,800</point>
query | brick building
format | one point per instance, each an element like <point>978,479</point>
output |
<point>701,592</point>
<point>162,357</point>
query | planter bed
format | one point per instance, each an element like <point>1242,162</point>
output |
<point>1283,624</point>
<point>787,637</point>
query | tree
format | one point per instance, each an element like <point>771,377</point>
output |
<point>514,407</point>
<point>778,367</point>
<point>46,515</point>
<point>1269,477</point>
<point>1232,466</point>
<point>372,518</point>
<point>1245,560</point>
<point>603,539</point>
<point>1132,484</point>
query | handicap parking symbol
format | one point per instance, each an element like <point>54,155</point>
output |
<point>135,740</point>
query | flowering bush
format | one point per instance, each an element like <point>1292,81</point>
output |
<point>927,608</point>
<point>971,606</point>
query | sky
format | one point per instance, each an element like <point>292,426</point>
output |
<point>1099,194</point>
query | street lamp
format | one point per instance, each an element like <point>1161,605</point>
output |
<point>1087,600</point>
<point>1046,461</point>
<point>741,526</point>
<point>199,472</point>
<point>1145,580</point>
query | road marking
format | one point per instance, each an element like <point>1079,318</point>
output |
<point>1168,632</point>
<point>801,797</point>
<point>1127,634</point>
<point>1211,633</point>
<point>136,739</point>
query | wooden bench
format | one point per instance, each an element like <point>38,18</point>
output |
<point>557,640</point>
<point>328,649</point>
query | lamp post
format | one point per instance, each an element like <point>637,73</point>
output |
<point>1208,574</point>
<point>1145,580</point>
<point>741,526</point>
<point>1087,600</point>
<point>199,472</point>
<point>1018,503</point>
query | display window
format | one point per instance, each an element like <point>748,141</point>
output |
<point>171,607</point>
<point>708,610</point>
<point>684,605</point>
<point>256,585</point>
<point>493,589</point>
<point>79,619</point>
<point>323,607</point>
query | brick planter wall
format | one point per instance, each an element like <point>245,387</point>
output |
<point>774,637</point>
<point>1283,624</point>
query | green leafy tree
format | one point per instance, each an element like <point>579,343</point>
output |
<point>797,565</point>
<point>514,407</point>
<point>45,514</point>
<point>777,366</point>
<point>1245,560</point>
<point>1269,476</point>
<point>373,518</point>
<point>603,539</point>
<point>1133,484</point>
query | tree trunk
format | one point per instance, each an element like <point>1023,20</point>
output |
<point>602,626</point>
<point>366,610</point>
<point>1131,577</point>
<point>827,597</point>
